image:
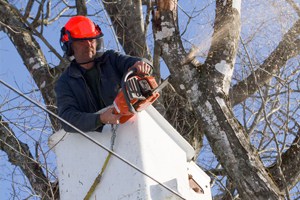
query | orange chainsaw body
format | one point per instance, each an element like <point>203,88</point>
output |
<point>138,103</point>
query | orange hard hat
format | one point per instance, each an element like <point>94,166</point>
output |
<point>80,28</point>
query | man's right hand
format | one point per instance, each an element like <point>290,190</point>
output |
<point>142,67</point>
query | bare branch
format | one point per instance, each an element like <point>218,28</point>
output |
<point>38,15</point>
<point>28,8</point>
<point>32,56</point>
<point>19,155</point>
<point>287,48</point>
<point>291,173</point>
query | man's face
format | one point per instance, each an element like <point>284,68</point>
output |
<point>84,50</point>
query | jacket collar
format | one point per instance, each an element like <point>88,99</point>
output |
<point>76,71</point>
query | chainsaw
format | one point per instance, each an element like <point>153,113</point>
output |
<point>136,94</point>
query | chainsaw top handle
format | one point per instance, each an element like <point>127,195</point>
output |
<point>124,90</point>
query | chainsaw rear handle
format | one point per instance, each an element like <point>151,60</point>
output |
<point>123,85</point>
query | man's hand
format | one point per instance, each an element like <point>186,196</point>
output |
<point>142,67</point>
<point>108,117</point>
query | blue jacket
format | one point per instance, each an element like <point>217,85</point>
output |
<point>75,101</point>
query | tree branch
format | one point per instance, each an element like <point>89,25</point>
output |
<point>286,49</point>
<point>19,155</point>
<point>28,8</point>
<point>290,171</point>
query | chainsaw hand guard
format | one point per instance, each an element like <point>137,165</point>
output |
<point>133,89</point>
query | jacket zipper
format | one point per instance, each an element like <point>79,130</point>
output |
<point>89,94</point>
<point>101,96</point>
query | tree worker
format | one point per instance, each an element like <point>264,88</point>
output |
<point>92,81</point>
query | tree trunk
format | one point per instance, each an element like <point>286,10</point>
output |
<point>30,51</point>
<point>128,22</point>
<point>18,153</point>
<point>208,93</point>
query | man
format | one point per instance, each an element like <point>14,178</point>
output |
<point>91,82</point>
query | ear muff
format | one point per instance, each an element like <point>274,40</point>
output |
<point>66,41</point>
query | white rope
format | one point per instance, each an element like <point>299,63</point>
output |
<point>113,135</point>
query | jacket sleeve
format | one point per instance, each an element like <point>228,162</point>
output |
<point>69,110</point>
